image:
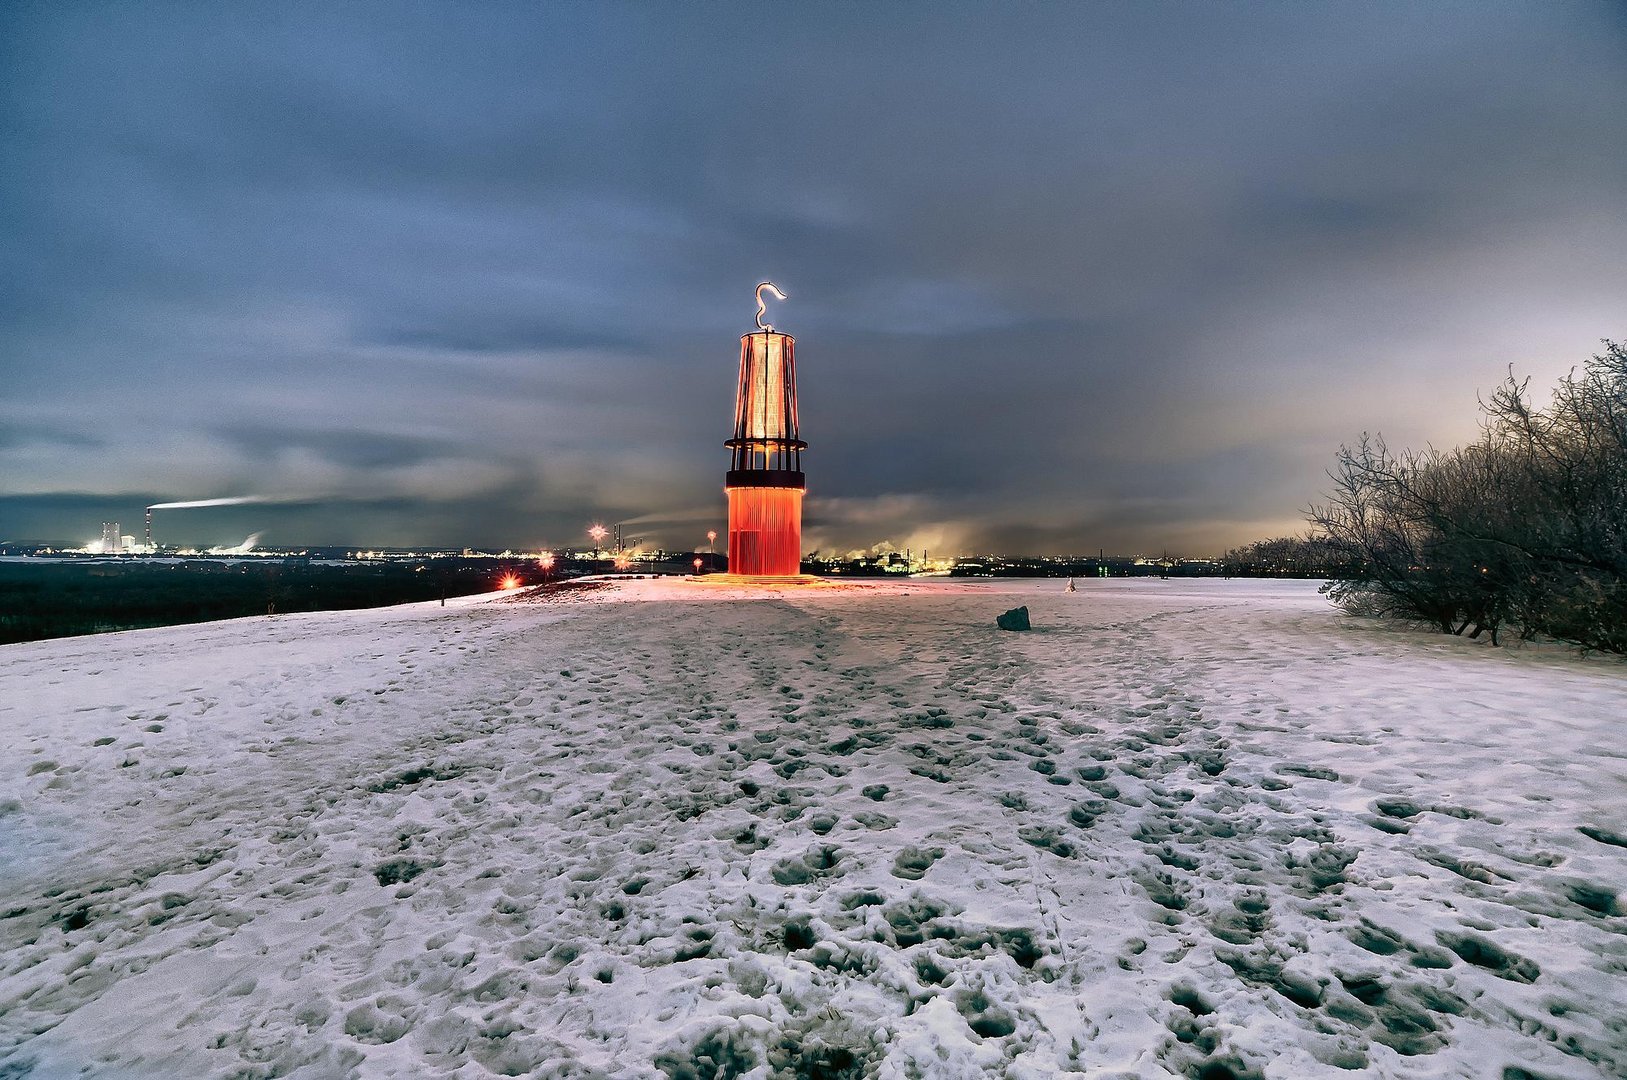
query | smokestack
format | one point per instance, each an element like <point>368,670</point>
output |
<point>236,500</point>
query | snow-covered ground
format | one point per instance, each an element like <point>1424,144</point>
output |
<point>1205,829</point>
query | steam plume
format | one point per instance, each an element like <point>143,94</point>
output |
<point>704,513</point>
<point>239,500</point>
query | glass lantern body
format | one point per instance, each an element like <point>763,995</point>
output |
<point>765,481</point>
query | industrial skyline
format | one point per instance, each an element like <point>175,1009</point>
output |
<point>1066,277</point>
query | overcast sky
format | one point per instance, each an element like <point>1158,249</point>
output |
<point>1063,277</point>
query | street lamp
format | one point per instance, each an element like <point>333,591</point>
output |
<point>598,533</point>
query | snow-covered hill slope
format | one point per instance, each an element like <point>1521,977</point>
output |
<point>1202,829</point>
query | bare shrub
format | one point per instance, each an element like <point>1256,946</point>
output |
<point>1525,528</point>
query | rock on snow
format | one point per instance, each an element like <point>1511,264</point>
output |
<point>1193,829</point>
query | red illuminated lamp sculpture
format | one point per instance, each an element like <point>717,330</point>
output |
<point>765,481</point>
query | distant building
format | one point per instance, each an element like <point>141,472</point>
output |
<point>112,543</point>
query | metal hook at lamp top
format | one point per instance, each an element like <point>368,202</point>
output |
<point>762,306</point>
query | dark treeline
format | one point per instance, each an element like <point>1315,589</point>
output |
<point>1290,557</point>
<point>61,599</point>
<point>1523,531</point>
<point>1081,567</point>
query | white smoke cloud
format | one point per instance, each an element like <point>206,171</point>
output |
<point>679,517</point>
<point>246,547</point>
<point>196,504</point>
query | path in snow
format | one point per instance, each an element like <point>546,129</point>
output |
<point>1199,829</point>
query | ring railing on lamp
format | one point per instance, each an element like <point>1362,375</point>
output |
<point>765,481</point>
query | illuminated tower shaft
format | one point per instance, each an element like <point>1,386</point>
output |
<point>765,481</point>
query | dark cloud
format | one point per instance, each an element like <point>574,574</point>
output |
<point>492,331</point>
<point>347,449</point>
<point>1062,277</point>
<point>18,435</point>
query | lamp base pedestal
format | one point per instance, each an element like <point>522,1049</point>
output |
<point>765,530</point>
<point>758,579</point>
